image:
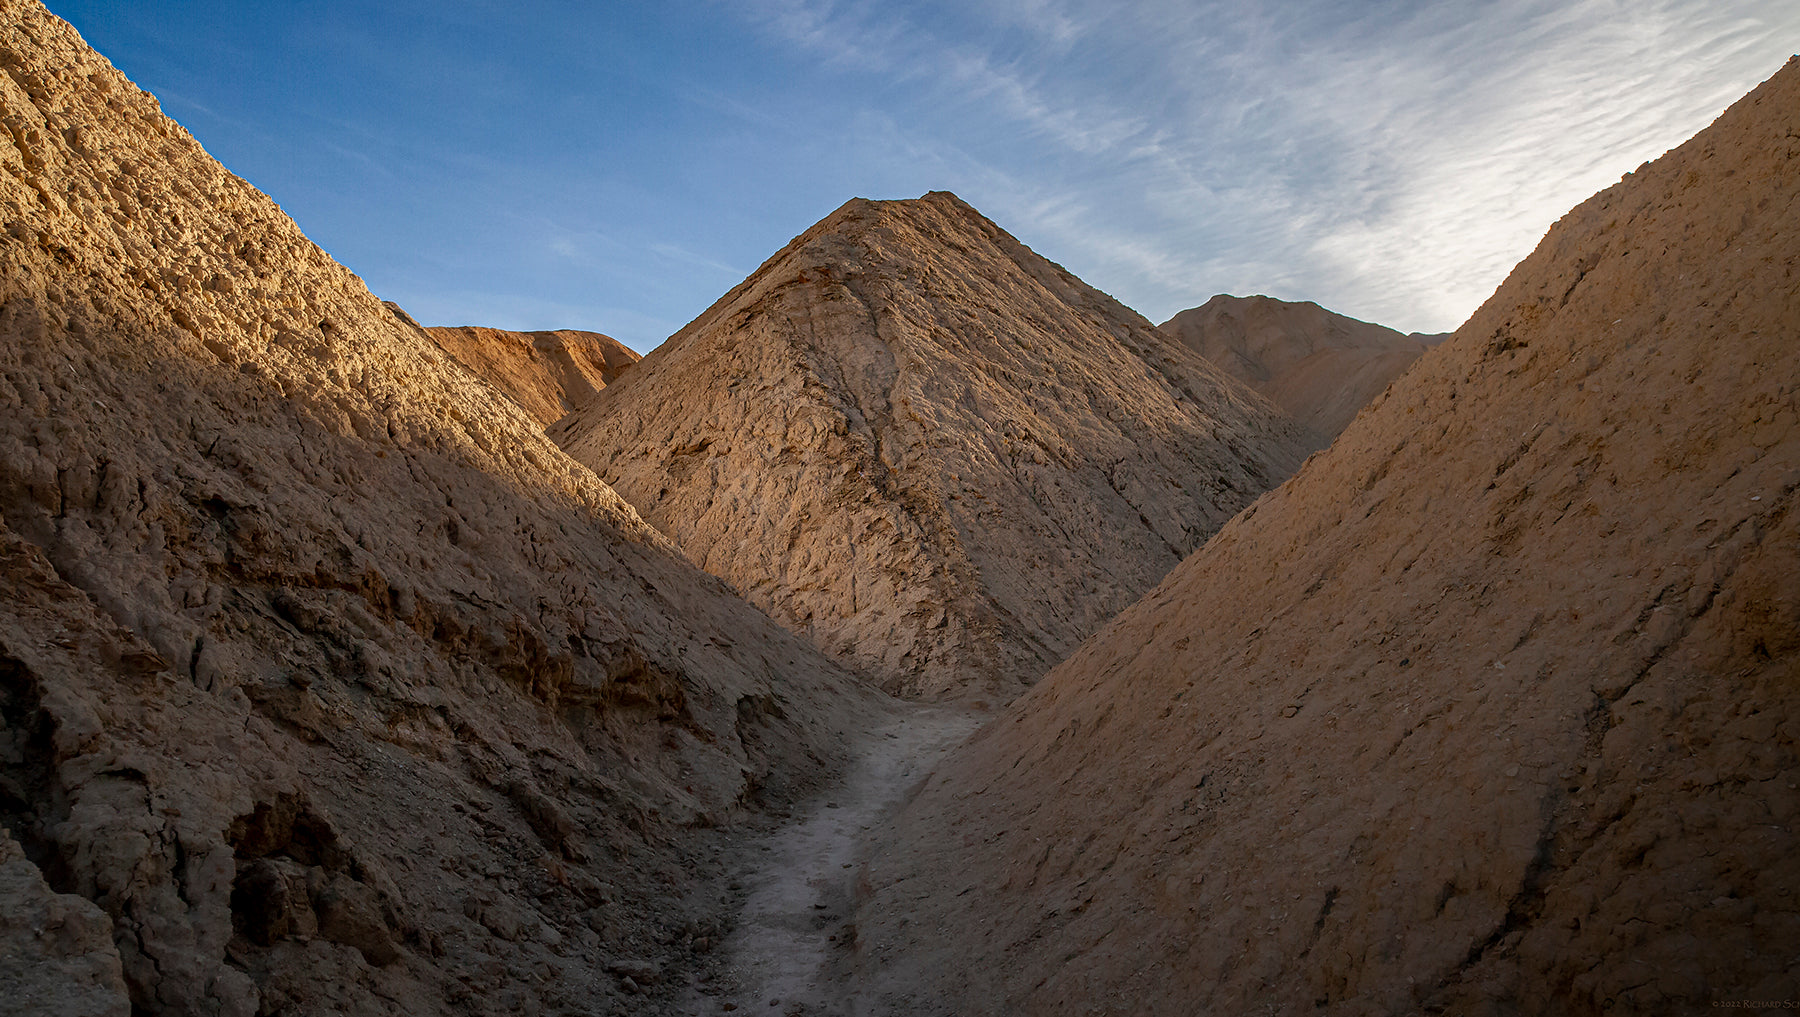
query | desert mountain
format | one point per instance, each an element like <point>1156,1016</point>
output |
<point>939,456</point>
<point>550,374</point>
<point>1319,366</point>
<point>1490,709</point>
<point>328,683</point>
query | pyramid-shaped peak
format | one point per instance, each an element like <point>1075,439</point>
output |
<point>936,453</point>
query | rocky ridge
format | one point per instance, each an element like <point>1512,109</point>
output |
<point>1320,366</point>
<point>328,683</point>
<point>936,454</point>
<point>1489,710</point>
<point>550,374</point>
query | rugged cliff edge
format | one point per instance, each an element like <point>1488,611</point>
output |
<point>938,455</point>
<point>1490,709</point>
<point>328,683</point>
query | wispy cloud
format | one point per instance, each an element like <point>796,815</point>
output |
<point>1393,161</point>
<point>1089,130</point>
<point>845,32</point>
<point>681,255</point>
<point>876,38</point>
<point>1467,143</point>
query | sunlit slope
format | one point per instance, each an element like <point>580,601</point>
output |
<point>942,458</point>
<point>548,374</point>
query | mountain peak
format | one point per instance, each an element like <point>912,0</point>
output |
<point>939,455</point>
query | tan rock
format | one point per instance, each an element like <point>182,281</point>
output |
<point>939,456</point>
<point>549,374</point>
<point>306,638</point>
<point>1490,709</point>
<point>1319,366</point>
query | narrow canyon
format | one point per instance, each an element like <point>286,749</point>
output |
<point>918,631</point>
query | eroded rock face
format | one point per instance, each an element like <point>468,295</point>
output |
<point>549,374</point>
<point>937,455</point>
<point>57,957</point>
<point>315,655</point>
<point>1319,366</point>
<point>1490,709</point>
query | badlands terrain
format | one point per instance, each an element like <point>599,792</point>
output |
<point>549,374</point>
<point>1492,708</point>
<point>1320,367</point>
<point>938,456</point>
<point>354,667</point>
<point>330,685</point>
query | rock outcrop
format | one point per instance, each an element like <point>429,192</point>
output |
<point>328,683</point>
<point>1490,709</point>
<point>56,951</point>
<point>939,456</point>
<point>549,374</point>
<point>1320,366</point>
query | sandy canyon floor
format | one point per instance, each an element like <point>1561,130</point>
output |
<point>793,883</point>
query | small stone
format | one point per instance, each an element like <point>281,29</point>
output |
<point>642,972</point>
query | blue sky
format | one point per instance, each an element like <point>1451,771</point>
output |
<point>618,166</point>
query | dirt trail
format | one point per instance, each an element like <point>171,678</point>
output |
<point>796,881</point>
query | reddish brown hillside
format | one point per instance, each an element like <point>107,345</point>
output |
<point>1319,366</point>
<point>938,455</point>
<point>1491,709</point>
<point>550,373</point>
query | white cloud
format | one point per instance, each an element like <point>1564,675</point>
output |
<point>1389,161</point>
<point>1089,131</point>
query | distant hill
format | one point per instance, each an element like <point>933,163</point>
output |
<point>939,456</point>
<point>1319,366</point>
<point>549,373</point>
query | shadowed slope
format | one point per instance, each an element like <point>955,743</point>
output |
<point>1490,709</point>
<point>324,674</point>
<point>939,456</point>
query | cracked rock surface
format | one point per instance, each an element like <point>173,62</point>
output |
<point>328,684</point>
<point>942,458</point>
<point>1490,709</point>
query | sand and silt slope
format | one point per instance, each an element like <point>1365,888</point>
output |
<point>1490,709</point>
<point>549,374</point>
<point>329,684</point>
<point>939,456</point>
